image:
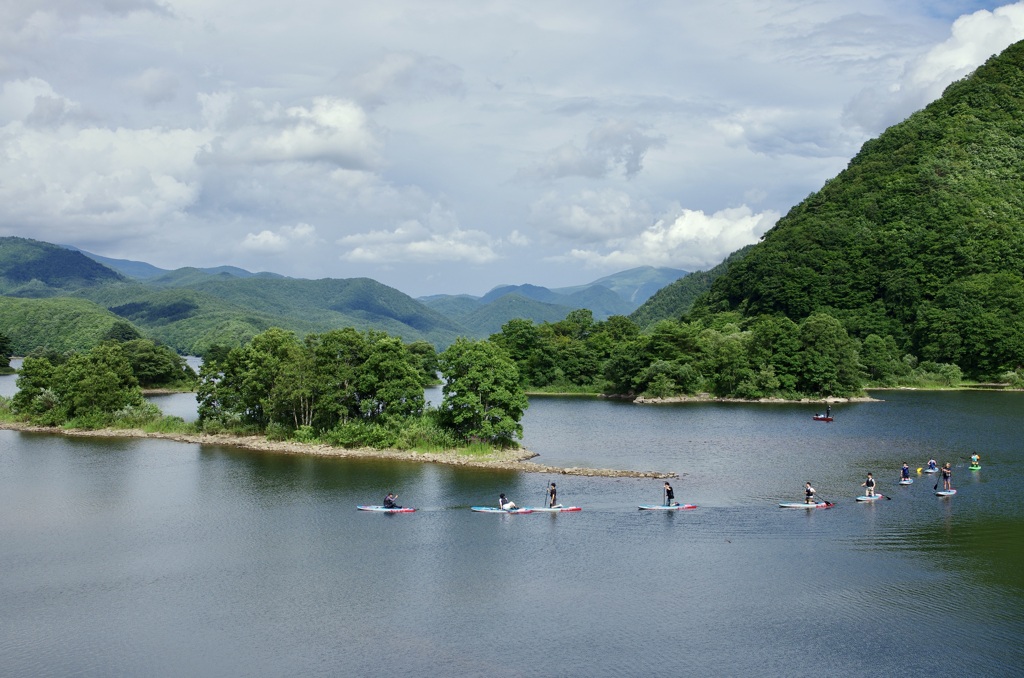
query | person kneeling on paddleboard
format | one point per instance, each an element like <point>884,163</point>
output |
<point>389,501</point>
<point>932,466</point>
<point>870,484</point>
<point>809,493</point>
<point>506,504</point>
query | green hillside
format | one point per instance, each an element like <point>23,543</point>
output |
<point>59,324</point>
<point>920,238</point>
<point>676,299</point>
<point>30,268</point>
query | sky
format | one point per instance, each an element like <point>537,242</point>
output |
<point>450,146</point>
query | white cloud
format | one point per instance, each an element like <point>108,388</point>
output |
<point>415,242</point>
<point>331,130</point>
<point>973,39</point>
<point>615,144</point>
<point>268,241</point>
<point>589,216</point>
<point>691,240</point>
<point>406,76</point>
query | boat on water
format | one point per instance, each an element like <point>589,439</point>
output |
<point>822,417</point>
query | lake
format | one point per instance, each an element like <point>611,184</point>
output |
<point>155,558</point>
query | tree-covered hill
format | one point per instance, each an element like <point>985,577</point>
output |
<point>675,300</point>
<point>921,238</point>
<point>58,324</point>
<point>30,268</point>
<point>213,309</point>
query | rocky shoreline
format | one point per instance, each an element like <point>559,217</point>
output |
<point>511,460</point>
<point>707,397</point>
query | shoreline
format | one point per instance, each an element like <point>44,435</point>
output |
<point>513,460</point>
<point>708,398</point>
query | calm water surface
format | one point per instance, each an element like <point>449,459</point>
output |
<point>147,557</point>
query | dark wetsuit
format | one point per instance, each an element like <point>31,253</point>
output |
<point>906,472</point>
<point>553,493</point>
<point>669,495</point>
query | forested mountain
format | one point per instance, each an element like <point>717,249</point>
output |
<point>921,238</point>
<point>675,300</point>
<point>29,268</point>
<point>213,309</point>
<point>58,323</point>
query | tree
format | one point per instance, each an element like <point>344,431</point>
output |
<point>482,395</point>
<point>389,382</point>
<point>828,358</point>
<point>98,382</point>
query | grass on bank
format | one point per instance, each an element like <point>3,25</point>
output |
<point>414,434</point>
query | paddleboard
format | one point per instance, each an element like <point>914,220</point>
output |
<point>804,505</point>
<point>382,509</point>
<point>945,493</point>
<point>907,481</point>
<point>865,497</point>
<point>554,509</point>
<point>662,507</point>
<point>931,470</point>
<point>491,509</point>
<point>975,468</point>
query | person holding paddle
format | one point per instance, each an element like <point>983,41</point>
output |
<point>947,475</point>
<point>905,472</point>
<point>552,496</point>
<point>389,501</point>
<point>670,496</point>
<point>870,485</point>
<point>809,493</point>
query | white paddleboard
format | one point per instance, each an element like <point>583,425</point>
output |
<point>662,507</point>
<point>907,481</point>
<point>804,505</point>
<point>875,497</point>
<point>945,493</point>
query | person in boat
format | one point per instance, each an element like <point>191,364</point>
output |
<point>905,471</point>
<point>809,493</point>
<point>389,501</point>
<point>869,483</point>
<point>506,504</point>
<point>947,475</point>
<point>932,465</point>
<point>975,460</point>
<point>552,496</point>
<point>670,495</point>
<point>828,411</point>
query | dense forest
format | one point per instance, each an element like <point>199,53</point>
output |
<point>919,241</point>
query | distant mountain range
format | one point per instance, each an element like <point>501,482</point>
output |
<point>190,309</point>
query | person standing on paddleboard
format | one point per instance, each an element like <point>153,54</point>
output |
<point>870,484</point>
<point>905,471</point>
<point>669,495</point>
<point>975,459</point>
<point>506,504</point>
<point>552,496</point>
<point>947,475</point>
<point>809,493</point>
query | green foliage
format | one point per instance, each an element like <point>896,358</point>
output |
<point>919,239</point>
<point>86,389</point>
<point>61,324</point>
<point>157,366</point>
<point>483,398</point>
